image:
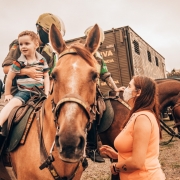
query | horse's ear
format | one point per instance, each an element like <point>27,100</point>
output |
<point>93,39</point>
<point>56,39</point>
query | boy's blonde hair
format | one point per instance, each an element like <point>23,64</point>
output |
<point>32,34</point>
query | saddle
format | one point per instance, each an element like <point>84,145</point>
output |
<point>108,115</point>
<point>15,127</point>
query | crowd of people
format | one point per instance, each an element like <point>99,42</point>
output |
<point>29,63</point>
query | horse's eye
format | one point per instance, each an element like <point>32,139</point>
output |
<point>95,76</point>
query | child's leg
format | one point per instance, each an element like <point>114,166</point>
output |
<point>7,109</point>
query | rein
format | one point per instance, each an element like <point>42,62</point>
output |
<point>117,98</point>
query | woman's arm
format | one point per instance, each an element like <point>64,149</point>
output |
<point>46,83</point>
<point>141,137</point>
<point>32,72</point>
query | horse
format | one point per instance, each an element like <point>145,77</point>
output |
<point>169,95</point>
<point>68,113</point>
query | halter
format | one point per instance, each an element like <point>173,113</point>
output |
<point>90,110</point>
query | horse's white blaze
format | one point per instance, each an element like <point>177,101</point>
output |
<point>71,112</point>
<point>72,78</point>
<point>74,65</point>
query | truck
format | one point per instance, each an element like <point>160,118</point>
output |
<point>126,54</point>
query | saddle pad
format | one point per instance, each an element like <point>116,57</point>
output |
<point>18,131</point>
<point>107,118</point>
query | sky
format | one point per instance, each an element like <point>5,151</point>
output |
<point>156,21</point>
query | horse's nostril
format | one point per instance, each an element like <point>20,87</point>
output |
<point>57,141</point>
<point>81,142</point>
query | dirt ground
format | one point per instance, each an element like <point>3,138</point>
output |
<point>169,159</point>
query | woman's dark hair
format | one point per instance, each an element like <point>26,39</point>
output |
<point>148,98</point>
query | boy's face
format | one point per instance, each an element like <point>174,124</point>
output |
<point>27,45</point>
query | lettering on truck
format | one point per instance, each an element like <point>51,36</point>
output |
<point>106,53</point>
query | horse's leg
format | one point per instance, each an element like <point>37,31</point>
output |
<point>176,114</point>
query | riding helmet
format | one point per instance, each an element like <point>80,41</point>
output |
<point>47,19</point>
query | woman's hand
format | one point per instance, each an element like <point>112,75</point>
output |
<point>113,169</point>
<point>122,88</point>
<point>107,151</point>
<point>8,97</point>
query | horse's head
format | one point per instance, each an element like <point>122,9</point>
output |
<point>74,92</point>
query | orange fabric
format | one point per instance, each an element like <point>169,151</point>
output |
<point>124,144</point>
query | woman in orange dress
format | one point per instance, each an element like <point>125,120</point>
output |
<point>137,144</point>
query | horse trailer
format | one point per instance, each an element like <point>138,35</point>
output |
<point>127,54</point>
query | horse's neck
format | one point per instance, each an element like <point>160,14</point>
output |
<point>168,93</point>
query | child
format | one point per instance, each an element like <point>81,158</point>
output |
<point>28,43</point>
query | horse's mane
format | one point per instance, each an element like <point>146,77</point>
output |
<point>84,53</point>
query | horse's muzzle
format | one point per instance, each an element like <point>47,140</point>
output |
<point>71,150</point>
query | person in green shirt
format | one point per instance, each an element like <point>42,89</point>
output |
<point>105,75</point>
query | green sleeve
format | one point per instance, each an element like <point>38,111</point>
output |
<point>54,64</point>
<point>104,68</point>
<point>100,60</point>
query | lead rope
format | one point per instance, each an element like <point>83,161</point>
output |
<point>84,160</point>
<point>84,154</point>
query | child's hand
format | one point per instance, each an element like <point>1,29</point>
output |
<point>122,88</point>
<point>8,97</point>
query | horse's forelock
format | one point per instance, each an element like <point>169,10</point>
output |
<point>85,54</point>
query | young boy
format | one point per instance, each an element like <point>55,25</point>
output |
<point>28,43</point>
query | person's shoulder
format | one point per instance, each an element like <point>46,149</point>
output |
<point>48,49</point>
<point>144,117</point>
<point>14,45</point>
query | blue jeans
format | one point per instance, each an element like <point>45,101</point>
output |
<point>24,96</point>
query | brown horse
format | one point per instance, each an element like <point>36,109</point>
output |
<point>169,90</point>
<point>73,94</point>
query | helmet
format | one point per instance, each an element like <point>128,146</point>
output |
<point>47,19</point>
<point>102,37</point>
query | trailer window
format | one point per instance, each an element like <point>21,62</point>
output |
<point>136,47</point>
<point>149,56</point>
<point>157,62</point>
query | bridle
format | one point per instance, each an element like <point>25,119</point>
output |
<point>90,111</point>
